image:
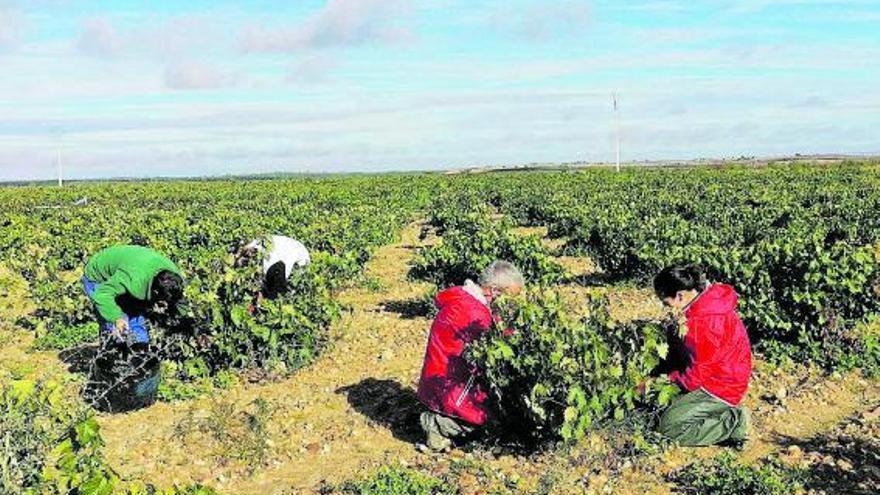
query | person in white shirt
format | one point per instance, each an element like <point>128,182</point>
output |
<point>283,255</point>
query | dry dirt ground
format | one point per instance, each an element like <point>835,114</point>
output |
<point>355,409</point>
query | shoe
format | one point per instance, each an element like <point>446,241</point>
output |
<point>425,449</point>
<point>738,444</point>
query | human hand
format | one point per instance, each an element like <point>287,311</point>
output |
<point>642,388</point>
<point>255,306</point>
<point>160,307</point>
<point>120,328</point>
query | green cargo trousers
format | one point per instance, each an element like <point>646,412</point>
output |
<point>698,419</point>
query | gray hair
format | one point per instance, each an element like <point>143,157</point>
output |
<point>501,275</point>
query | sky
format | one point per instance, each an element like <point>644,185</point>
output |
<point>197,87</point>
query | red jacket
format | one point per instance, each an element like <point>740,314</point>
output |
<point>721,356</point>
<point>448,384</point>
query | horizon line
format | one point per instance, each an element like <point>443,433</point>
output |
<point>703,161</point>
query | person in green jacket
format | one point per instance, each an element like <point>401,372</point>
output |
<point>124,283</point>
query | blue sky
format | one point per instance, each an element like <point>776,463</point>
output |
<point>146,88</point>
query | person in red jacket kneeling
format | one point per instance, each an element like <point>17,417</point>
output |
<point>717,377</point>
<point>449,387</point>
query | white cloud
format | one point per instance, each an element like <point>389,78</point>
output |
<point>548,21</point>
<point>49,79</point>
<point>11,28</point>
<point>338,23</point>
<point>190,34</point>
<point>171,38</point>
<point>681,35</point>
<point>197,75</point>
<point>755,6</point>
<point>653,6</point>
<point>100,38</point>
<point>313,69</point>
<point>543,21</point>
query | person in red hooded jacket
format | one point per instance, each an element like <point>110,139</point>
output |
<point>717,376</point>
<point>450,388</point>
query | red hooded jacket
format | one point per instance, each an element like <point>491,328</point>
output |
<point>721,356</point>
<point>448,384</point>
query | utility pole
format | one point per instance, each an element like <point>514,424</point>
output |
<point>58,162</point>
<point>60,169</point>
<point>616,129</point>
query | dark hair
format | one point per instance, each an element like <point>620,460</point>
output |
<point>275,281</point>
<point>675,278</point>
<point>168,287</point>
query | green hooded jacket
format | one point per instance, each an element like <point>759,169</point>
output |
<point>120,270</point>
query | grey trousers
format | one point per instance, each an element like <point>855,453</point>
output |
<point>441,431</point>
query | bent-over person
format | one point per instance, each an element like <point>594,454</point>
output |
<point>279,261</point>
<point>450,388</point>
<point>125,283</point>
<point>128,285</point>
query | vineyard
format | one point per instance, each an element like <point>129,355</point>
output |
<point>315,392</point>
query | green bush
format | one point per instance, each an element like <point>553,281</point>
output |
<point>66,337</point>
<point>724,475</point>
<point>558,376</point>
<point>474,241</point>
<point>32,419</point>
<point>396,480</point>
<point>180,385</point>
<point>50,445</point>
<point>282,335</point>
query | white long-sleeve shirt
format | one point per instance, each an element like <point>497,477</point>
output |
<point>285,249</point>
